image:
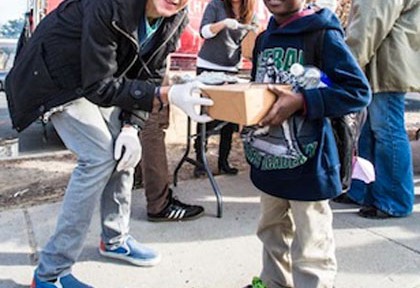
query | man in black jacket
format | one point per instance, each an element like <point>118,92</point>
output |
<point>93,68</point>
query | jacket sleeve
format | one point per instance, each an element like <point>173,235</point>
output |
<point>350,90</point>
<point>369,24</point>
<point>99,46</point>
<point>139,117</point>
<point>209,16</point>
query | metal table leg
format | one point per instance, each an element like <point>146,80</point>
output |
<point>185,156</point>
<point>204,163</point>
<point>213,182</point>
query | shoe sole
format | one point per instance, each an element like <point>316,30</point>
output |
<point>175,220</point>
<point>223,172</point>
<point>137,262</point>
<point>200,175</point>
<point>344,200</point>
<point>375,217</point>
<point>374,214</point>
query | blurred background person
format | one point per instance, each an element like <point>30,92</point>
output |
<point>224,25</point>
<point>385,39</point>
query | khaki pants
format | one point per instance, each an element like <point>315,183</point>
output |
<point>298,243</point>
<point>153,168</point>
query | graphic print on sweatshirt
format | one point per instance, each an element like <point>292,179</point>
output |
<point>290,144</point>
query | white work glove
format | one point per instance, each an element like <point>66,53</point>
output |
<point>187,97</point>
<point>128,140</point>
<point>231,23</point>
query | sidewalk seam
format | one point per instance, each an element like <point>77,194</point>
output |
<point>394,241</point>
<point>33,256</point>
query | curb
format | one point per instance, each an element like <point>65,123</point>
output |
<point>37,156</point>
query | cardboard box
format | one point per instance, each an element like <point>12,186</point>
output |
<point>245,103</point>
<point>247,44</point>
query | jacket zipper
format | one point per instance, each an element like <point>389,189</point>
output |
<point>132,40</point>
<point>160,47</point>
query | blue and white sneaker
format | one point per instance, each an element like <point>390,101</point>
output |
<point>131,251</point>
<point>68,281</point>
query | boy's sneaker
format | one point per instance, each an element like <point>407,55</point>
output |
<point>131,251</point>
<point>68,281</point>
<point>256,283</point>
<point>177,211</point>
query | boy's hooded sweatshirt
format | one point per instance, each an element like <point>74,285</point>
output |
<point>316,174</point>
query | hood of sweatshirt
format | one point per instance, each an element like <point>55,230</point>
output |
<point>322,19</point>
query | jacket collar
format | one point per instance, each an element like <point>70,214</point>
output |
<point>127,14</point>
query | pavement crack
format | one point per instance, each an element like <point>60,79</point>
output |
<point>33,256</point>
<point>395,242</point>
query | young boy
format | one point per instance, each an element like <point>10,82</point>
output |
<point>296,221</point>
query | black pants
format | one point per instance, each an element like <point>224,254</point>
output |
<point>225,143</point>
<point>226,131</point>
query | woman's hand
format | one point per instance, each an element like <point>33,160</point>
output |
<point>286,105</point>
<point>231,23</point>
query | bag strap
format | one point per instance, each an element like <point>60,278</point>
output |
<point>313,47</point>
<point>257,49</point>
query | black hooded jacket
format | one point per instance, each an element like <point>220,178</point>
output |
<point>89,48</point>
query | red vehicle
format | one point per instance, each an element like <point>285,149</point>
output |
<point>37,9</point>
<point>185,56</point>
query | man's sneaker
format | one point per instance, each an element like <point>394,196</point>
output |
<point>68,281</point>
<point>177,211</point>
<point>131,251</point>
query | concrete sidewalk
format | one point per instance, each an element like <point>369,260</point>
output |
<point>209,252</point>
<point>213,252</point>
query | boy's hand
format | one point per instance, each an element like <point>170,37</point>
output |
<point>286,105</point>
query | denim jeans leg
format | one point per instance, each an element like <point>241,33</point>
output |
<point>84,131</point>
<point>393,190</point>
<point>115,205</point>
<point>384,141</point>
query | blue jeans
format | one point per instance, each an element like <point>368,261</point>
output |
<point>384,142</point>
<point>89,131</point>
